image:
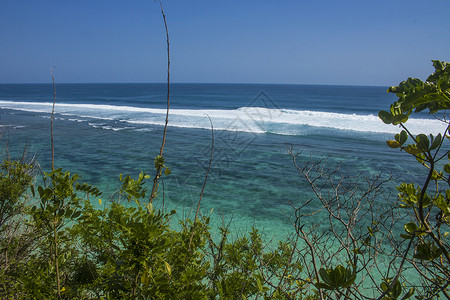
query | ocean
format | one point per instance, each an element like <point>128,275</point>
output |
<point>102,130</point>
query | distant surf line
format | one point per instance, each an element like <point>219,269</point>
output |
<point>245,119</point>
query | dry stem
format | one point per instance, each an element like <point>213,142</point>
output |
<point>159,170</point>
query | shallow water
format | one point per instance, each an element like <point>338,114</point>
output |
<point>101,131</point>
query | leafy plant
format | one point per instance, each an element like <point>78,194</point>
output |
<point>16,240</point>
<point>59,204</point>
<point>429,203</point>
<point>337,278</point>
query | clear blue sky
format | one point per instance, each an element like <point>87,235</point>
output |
<point>361,42</point>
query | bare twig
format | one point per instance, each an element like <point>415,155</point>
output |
<point>204,183</point>
<point>168,81</point>
<point>55,231</point>
<point>161,150</point>
<point>51,120</point>
<point>397,276</point>
<point>348,205</point>
<point>209,168</point>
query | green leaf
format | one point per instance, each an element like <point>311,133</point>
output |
<point>76,214</point>
<point>409,294</point>
<point>412,149</point>
<point>324,275</point>
<point>145,279</point>
<point>437,175</point>
<point>427,251</point>
<point>336,278</point>
<point>260,287</point>
<point>159,162</point>
<point>393,144</point>
<point>41,191</point>
<point>443,204</point>
<point>436,141</point>
<point>397,289</point>
<point>426,201</point>
<point>421,158</point>
<point>150,208</point>
<point>410,228</point>
<point>403,137</point>
<point>168,268</point>
<point>447,168</point>
<point>167,171</point>
<point>385,116</point>
<point>321,285</point>
<point>350,281</point>
<point>406,236</point>
<point>423,142</point>
<point>401,118</point>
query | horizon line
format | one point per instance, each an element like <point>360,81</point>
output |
<point>193,83</point>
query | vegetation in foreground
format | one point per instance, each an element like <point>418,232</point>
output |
<point>55,244</point>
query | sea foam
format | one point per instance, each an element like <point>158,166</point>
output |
<point>245,119</point>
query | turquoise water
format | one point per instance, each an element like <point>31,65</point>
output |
<point>103,130</point>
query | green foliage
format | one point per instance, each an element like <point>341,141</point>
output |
<point>429,203</point>
<point>59,245</point>
<point>337,278</point>
<point>427,251</point>
<point>126,251</point>
<point>133,188</point>
<point>237,273</point>
<point>394,292</point>
<point>246,268</point>
<point>59,204</point>
<point>137,253</point>
<point>416,95</point>
<point>395,116</point>
<point>15,178</point>
<point>159,166</point>
<point>15,239</point>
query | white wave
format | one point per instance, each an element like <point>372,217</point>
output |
<point>13,126</point>
<point>144,130</point>
<point>200,123</point>
<point>244,119</point>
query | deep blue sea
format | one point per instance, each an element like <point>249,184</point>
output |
<point>102,130</point>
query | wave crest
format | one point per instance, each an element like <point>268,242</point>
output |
<point>244,119</point>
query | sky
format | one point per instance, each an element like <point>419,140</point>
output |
<point>250,41</point>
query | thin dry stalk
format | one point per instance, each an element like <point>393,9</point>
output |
<point>209,168</point>
<point>168,81</point>
<point>55,233</point>
<point>161,150</point>
<point>349,205</point>
<point>204,182</point>
<point>51,120</point>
